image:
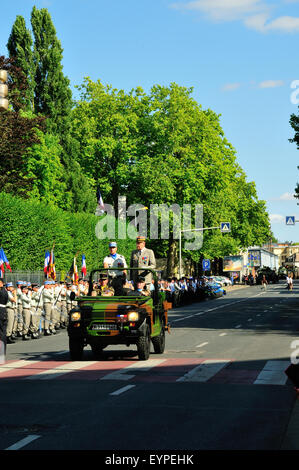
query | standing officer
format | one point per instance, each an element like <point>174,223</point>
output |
<point>142,257</point>
<point>115,260</point>
<point>10,309</point>
<point>36,311</point>
<point>48,301</point>
<point>26,304</point>
<point>3,319</point>
<point>19,328</point>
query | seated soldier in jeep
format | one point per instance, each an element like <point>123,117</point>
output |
<point>104,289</point>
<point>140,288</point>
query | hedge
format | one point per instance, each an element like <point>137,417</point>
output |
<point>28,228</point>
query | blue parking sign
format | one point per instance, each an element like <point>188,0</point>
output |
<point>206,265</point>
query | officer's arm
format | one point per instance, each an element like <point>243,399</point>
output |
<point>152,260</point>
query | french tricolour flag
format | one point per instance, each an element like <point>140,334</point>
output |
<point>47,261</point>
<point>4,260</point>
<point>83,268</point>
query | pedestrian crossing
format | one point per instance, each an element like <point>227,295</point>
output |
<point>168,370</point>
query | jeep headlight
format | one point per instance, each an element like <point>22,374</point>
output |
<point>76,316</point>
<point>133,316</point>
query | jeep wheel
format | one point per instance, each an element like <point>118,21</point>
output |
<point>144,345</point>
<point>76,347</point>
<point>159,342</point>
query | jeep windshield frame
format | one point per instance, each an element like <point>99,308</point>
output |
<point>149,270</point>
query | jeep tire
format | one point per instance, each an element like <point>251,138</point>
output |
<point>144,345</point>
<point>159,342</point>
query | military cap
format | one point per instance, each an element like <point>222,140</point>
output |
<point>140,238</point>
<point>9,284</point>
<point>140,279</point>
<point>112,245</point>
<point>103,276</point>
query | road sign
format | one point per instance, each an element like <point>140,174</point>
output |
<point>290,220</point>
<point>225,227</point>
<point>206,265</point>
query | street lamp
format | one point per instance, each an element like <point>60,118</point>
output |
<point>3,90</point>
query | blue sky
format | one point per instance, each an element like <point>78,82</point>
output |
<point>241,57</point>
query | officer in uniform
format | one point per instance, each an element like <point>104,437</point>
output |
<point>48,301</point>
<point>140,289</point>
<point>11,312</point>
<point>3,319</point>
<point>142,257</point>
<point>26,307</point>
<point>19,327</point>
<point>63,317</point>
<point>36,311</point>
<point>104,289</point>
<point>115,260</point>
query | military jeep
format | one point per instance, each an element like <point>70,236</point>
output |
<point>100,321</point>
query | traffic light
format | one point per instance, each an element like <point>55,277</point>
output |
<point>3,90</point>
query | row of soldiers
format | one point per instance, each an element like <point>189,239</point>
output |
<point>33,310</point>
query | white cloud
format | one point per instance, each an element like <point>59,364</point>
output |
<point>284,197</point>
<point>284,24</point>
<point>276,218</point>
<point>223,10</point>
<point>255,14</point>
<point>271,84</point>
<point>287,197</point>
<point>231,86</point>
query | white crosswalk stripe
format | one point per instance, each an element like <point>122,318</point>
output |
<point>273,373</point>
<point>60,370</point>
<point>121,374</point>
<point>16,365</point>
<point>204,371</point>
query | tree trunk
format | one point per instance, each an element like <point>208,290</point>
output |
<point>172,258</point>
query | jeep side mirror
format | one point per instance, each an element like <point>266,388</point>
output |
<point>72,296</point>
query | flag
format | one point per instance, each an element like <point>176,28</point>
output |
<point>83,267</point>
<point>101,206</point>
<point>4,260</point>
<point>1,266</point>
<point>47,259</point>
<point>73,273</point>
<point>51,272</point>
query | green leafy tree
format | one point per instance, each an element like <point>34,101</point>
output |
<point>53,97</point>
<point>104,123</point>
<point>20,48</point>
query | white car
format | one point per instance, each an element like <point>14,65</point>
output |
<point>226,281</point>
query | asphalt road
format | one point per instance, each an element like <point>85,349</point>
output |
<point>220,385</point>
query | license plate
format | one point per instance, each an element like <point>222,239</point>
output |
<point>104,326</point>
